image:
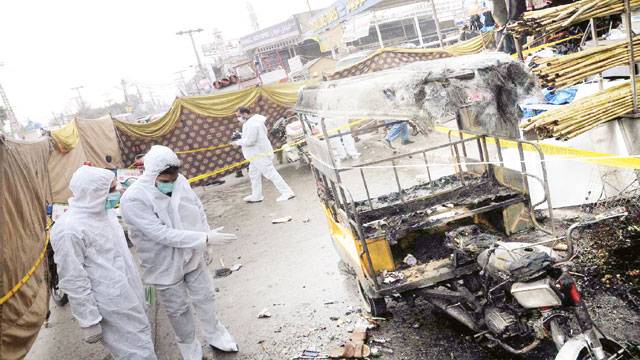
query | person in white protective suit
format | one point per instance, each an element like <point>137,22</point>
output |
<point>96,269</point>
<point>257,148</point>
<point>342,142</point>
<point>168,226</point>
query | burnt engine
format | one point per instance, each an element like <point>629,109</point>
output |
<point>502,322</point>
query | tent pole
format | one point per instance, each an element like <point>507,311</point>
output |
<point>418,31</point>
<point>379,34</point>
<point>594,35</point>
<point>435,19</point>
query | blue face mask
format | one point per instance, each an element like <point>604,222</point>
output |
<point>112,200</point>
<point>129,182</point>
<point>165,187</point>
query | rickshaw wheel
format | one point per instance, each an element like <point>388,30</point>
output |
<point>375,306</point>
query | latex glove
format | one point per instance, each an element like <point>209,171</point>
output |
<point>215,237</point>
<point>92,334</point>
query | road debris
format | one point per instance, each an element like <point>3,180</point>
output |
<point>264,314</point>
<point>310,354</point>
<point>390,277</point>
<point>355,348</point>
<point>350,310</point>
<point>375,351</point>
<point>561,247</point>
<point>410,260</point>
<point>378,340</point>
<point>222,271</point>
<point>282,220</point>
<point>236,267</point>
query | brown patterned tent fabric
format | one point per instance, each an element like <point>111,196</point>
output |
<point>195,131</point>
<point>389,58</point>
<point>24,193</point>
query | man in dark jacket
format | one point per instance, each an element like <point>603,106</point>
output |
<point>503,12</point>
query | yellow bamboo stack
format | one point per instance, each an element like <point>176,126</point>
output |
<point>570,69</point>
<point>557,18</point>
<point>473,45</point>
<point>582,115</point>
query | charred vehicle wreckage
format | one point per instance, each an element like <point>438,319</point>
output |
<point>453,223</point>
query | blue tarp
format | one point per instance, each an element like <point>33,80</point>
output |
<point>552,97</point>
<point>559,97</point>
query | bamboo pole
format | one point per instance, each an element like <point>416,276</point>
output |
<point>571,120</point>
<point>570,69</point>
<point>560,17</point>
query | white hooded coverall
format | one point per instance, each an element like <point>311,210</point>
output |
<point>96,269</point>
<point>257,148</point>
<point>170,234</point>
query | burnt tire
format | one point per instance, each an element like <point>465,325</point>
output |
<point>375,306</point>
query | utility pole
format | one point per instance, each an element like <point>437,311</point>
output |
<point>193,43</point>
<point>153,100</point>
<point>123,83</point>
<point>16,128</point>
<point>81,104</point>
<point>139,94</point>
<point>253,17</point>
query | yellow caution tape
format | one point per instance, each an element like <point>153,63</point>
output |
<point>210,148</point>
<point>30,273</point>
<point>592,157</point>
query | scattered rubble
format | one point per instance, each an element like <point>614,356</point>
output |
<point>310,354</point>
<point>355,348</point>
<point>222,271</point>
<point>390,277</point>
<point>236,267</point>
<point>282,220</point>
<point>608,254</point>
<point>410,260</point>
<point>264,314</point>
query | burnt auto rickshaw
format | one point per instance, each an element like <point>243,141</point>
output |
<point>452,218</point>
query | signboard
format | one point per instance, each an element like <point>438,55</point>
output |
<point>295,64</point>
<point>340,10</point>
<point>278,32</point>
<point>210,50</point>
<point>357,27</point>
<point>330,39</point>
<point>407,11</point>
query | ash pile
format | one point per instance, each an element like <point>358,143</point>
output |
<point>488,86</point>
<point>609,252</point>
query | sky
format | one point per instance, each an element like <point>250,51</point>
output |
<point>49,47</point>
